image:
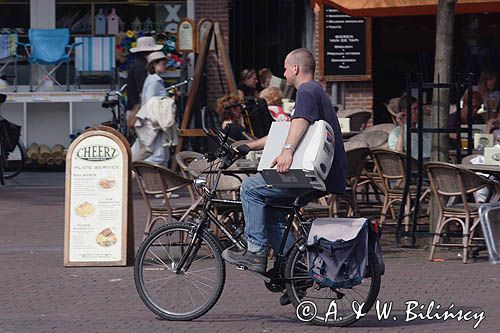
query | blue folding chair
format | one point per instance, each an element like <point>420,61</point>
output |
<point>48,47</point>
<point>8,55</point>
<point>95,56</point>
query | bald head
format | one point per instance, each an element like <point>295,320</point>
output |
<point>304,58</point>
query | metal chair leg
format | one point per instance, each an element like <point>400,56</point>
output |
<point>67,75</point>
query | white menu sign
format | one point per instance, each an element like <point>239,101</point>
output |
<point>96,210</point>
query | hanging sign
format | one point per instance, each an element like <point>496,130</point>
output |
<point>98,207</point>
<point>345,46</point>
<point>186,36</point>
<point>203,26</point>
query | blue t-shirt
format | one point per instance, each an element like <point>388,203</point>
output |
<point>312,104</point>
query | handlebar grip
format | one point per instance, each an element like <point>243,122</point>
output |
<point>243,149</point>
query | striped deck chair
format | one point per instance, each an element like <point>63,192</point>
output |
<point>8,54</point>
<point>95,56</point>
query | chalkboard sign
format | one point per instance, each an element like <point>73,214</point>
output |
<point>345,46</point>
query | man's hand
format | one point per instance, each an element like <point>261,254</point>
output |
<point>284,161</point>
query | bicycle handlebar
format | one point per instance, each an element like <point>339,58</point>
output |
<point>225,150</point>
<point>116,92</point>
<point>179,84</point>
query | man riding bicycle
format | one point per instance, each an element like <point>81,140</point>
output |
<point>265,224</point>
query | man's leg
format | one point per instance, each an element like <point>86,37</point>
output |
<point>254,194</point>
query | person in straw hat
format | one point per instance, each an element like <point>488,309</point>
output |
<point>153,86</point>
<point>137,71</point>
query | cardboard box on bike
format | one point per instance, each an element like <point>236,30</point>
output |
<point>312,159</point>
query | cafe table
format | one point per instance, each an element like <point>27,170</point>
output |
<point>483,168</point>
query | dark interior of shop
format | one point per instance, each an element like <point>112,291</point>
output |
<point>264,31</point>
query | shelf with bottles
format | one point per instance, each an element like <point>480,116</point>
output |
<point>110,17</point>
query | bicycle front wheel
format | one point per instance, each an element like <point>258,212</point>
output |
<point>333,306</point>
<point>14,161</point>
<point>183,295</point>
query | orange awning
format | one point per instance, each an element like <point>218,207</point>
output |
<point>408,7</point>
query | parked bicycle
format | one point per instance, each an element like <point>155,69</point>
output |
<point>12,150</point>
<point>180,273</point>
<point>115,101</point>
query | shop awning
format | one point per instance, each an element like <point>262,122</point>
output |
<point>408,7</point>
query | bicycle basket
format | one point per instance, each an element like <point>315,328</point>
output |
<point>337,251</point>
<point>11,134</point>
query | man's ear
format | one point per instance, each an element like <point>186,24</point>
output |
<point>295,69</point>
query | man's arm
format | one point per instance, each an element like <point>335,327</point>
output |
<point>257,144</point>
<point>297,129</point>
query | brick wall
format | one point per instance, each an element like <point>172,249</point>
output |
<point>217,11</point>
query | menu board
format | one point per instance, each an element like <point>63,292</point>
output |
<point>345,46</point>
<point>186,36</point>
<point>203,26</point>
<point>96,200</point>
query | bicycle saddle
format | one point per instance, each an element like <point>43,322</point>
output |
<point>109,104</point>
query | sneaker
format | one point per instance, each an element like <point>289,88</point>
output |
<point>253,261</point>
<point>285,299</point>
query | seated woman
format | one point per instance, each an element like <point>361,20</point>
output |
<point>397,137</point>
<point>272,96</point>
<point>265,75</point>
<point>248,84</point>
<point>229,110</point>
<point>487,87</point>
<point>476,104</point>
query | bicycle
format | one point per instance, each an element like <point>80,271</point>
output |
<point>117,106</point>
<point>12,150</point>
<point>179,272</point>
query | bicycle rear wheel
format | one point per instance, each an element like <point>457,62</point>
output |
<point>185,295</point>
<point>302,289</point>
<point>14,161</point>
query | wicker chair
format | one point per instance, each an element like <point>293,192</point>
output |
<point>155,184</point>
<point>391,169</point>
<point>356,158</point>
<point>227,183</point>
<point>358,118</point>
<point>183,159</point>
<point>228,187</point>
<point>450,182</point>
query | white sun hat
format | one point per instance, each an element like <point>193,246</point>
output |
<point>156,56</point>
<point>146,44</point>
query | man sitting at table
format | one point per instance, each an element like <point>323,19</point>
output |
<point>397,137</point>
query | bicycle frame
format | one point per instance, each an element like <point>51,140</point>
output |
<point>207,216</point>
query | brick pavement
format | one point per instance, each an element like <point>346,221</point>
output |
<point>40,295</point>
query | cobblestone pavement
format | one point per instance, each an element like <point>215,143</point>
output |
<point>40,295</point>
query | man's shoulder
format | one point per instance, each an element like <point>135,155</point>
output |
<point>311,87</point>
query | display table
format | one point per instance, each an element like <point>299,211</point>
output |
<point>50,117</point>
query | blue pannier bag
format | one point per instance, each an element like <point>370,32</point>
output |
<point>337,251</point>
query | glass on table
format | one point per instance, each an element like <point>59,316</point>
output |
<point>491,105</point>
<point>465,143</point>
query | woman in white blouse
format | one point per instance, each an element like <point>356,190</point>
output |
<point>153,86</point>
